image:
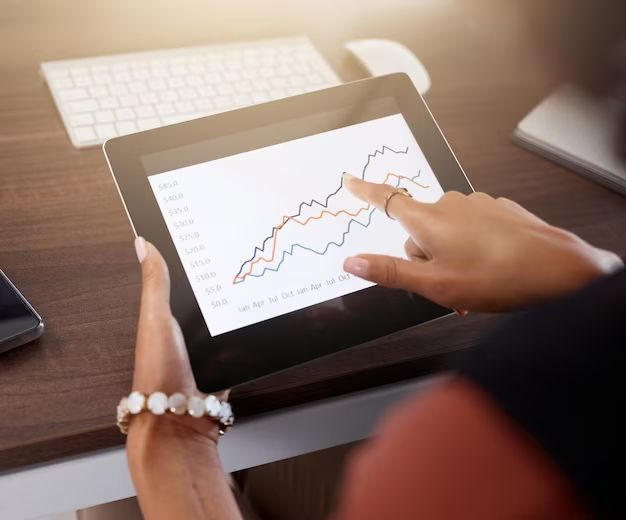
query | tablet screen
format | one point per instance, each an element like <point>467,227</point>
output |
<point>264,233</point>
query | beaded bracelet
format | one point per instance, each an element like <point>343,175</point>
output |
<point>159,403</point>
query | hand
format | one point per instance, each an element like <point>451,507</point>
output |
<point>173,459</point>
<point>161,360</point>
<point>478,253</point>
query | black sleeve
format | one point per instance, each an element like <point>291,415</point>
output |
<point>560,372</point>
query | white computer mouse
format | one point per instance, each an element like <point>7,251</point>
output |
<point>380,56</point>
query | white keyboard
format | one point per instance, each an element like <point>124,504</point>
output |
<point>108,96</point>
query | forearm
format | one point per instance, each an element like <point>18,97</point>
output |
<point>177,472</point>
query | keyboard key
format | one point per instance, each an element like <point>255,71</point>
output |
<point>102,79</point>
<point>232,75</point>
<point>279,82</point>
<point>79,71</point>
<point>124,114</point>
<point>88,105</point>
<point>98,91</point>
<point>83,81</point>
<point>148,98</point>
<point>108,103</point>
<point>168,95</point>
<point>84,134</point>
<point>187,93</point>
<point>196,68</point>
<point>148,123</point>
<point>225,89</point>
<point>119,89</point>
<point>141,74</point>
<point>301,68</point>
<point>267,72</point>
<point>145,111</point>
<point>63,83</point>
<point>206,91</point>
<point>129,101</point>
<point>165,109</point>
<point>277,93</point>
<point>243,87</point>
<point>204,104</point>
<point>314,78</point>
<point>215,66</point>
<point>122,76</point>
<point>125,127</point>
<point>179,70</point>
<point>184,106</point>
<point>250,74</point>
<point>261,85</point>
<point>222,101</point>
<point>213,78</point>
<point>175,82</point>
<point>260,97</point>
<point>58,72</point>
<point>81,119</point>
<point>243,100</point>
<point>138,87</point>
<point>159,72</point>
<point>157,84</point>
<point>106,131</point>
<point>73,94</point>
<point>104,116</point>
<point>233,63</point>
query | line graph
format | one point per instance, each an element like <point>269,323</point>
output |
<point>240,277</point>
<point>264,232</point>
<point>324,204</point>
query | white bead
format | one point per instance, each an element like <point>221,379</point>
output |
<point>136,402</point>
<point>157,403</point>
<point>177,403</point>
<point>195,406</point>
<point>226,413</point>
<point>213,406</point>
<point>122,408</point>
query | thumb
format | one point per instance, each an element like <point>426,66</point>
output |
<point>155,281</point>
<point>390,271</point>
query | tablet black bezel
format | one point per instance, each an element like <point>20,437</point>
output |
<point>256,350</point>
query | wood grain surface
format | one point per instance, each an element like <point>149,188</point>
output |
<point>66,243</point>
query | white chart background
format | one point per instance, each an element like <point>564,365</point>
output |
<point>217,212</point>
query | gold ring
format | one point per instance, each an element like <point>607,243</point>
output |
<point>391,195</point>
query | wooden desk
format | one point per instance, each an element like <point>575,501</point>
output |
<point>66,243</point>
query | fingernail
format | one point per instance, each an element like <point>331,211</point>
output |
<point>357,266</point>
<point>347,175</point>
<point>141,249</point>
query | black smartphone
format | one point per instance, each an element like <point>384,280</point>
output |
<point>19,322</point>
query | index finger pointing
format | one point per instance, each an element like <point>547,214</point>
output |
<point>399,207</point>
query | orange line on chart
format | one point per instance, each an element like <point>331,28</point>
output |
<point>286,219</point>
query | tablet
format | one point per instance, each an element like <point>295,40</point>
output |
<point>249,211</point>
